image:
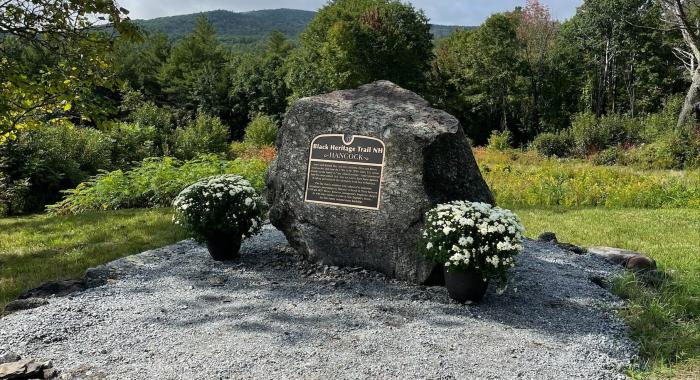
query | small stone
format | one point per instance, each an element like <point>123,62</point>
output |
<point>25,304</point>
<point>548,236</point>
<point>50,373</point>
<point>640,263</point>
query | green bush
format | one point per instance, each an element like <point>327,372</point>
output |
<point>132,143</point>
<point>553,144</point>
<point>261,131</point>
<point>657,124</point>
<point>148,115</point>
<point>499,141</point>
<point>206,134</point>
<point>610,156</point>
<point>239,149</point>
<point>154,183</point>
<point>591,134</point>
<point>40,163</point>
<point>674,149</point>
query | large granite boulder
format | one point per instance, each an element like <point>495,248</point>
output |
<point>427,161</point>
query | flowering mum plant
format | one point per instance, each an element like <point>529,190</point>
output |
<point>473,236</point>
<point>221,205</point>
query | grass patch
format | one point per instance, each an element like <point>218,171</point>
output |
<point>36,249</point>
<point>665,320</point>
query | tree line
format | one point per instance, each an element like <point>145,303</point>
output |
<point>618,81</point>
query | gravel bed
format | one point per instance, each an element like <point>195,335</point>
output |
<point>173,313</point>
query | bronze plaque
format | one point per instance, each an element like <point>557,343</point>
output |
<point>345,173</point>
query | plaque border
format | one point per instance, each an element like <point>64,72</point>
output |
<point>342,136</point>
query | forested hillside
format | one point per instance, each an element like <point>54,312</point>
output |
<point>249,28</point>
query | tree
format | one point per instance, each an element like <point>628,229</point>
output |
<point>536,32</point>
<point>138,63</point>
<point>257,82</point>
<point>52,57</point>
<point>193,76</point>
<point>627,56</point>
<point>482,72</point>
<point>682,16</point>
<point>352,42</point>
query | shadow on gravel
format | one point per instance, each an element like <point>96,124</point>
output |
<point>267,292</point>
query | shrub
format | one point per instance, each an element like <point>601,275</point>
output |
<point>261,131</point>
<point>148,115</point>
<point>259,140</point>
<point>500,141</point>
<point>240,149</point>
<point>553,144</point>
<point>657,124</point>
<point>464,235</point>
<point>224,205</point>
<point>206,134</point>
<point>47,160</point>
<point>13,195</point>
<point>132,143</point>
<point>610,156</point>
<point>673,149</point>
<point>591,134</point>
<point>153,183</point>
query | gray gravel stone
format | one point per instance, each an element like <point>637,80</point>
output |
<point>277,316</point>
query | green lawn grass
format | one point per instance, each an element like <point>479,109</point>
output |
<point>36,249</point>
<point>665,320</point>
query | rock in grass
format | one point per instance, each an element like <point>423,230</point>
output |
<point>547,236</point>
<point>629,259</point>
<point>427,160</point>
<point>614,255</point>
<point>24,304</point>
<point>640,263</point>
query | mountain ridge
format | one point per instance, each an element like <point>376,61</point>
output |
<point>251,27</point>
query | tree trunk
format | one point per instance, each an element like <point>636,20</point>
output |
<point>690,99</point>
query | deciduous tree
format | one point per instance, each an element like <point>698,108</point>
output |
<point>52,58</point>
<point>352,42</point>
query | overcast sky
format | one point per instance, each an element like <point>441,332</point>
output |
<point>452,12</point>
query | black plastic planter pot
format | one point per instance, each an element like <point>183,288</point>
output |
<point>224,248</point>
<point>466,285</point>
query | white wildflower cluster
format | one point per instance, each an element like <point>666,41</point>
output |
<point>472,235</point>
<point>219,205</point>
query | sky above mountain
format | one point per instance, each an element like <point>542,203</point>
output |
<point>446,12</point>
